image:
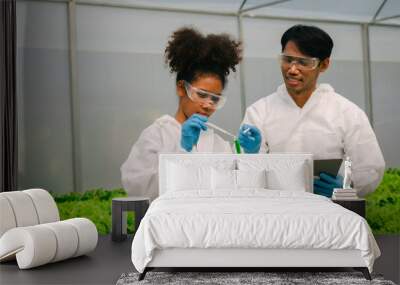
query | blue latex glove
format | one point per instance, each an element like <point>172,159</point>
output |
<point>249,138</point>
<point>191,130</point>
<point>325,184</point>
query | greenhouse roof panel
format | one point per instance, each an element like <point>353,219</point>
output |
<point>342,10</point>
<point>390,9</point>
<point>356,11</point>
<point>230,6</point>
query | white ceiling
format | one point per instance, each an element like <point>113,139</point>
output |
<point>362,11</point>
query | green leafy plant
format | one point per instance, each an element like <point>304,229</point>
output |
<point>94,205</point>
<point>383,205</point>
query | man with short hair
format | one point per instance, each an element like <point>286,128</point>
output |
<point>303,116</point>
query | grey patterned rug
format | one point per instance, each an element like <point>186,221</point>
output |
<point>229,278</point>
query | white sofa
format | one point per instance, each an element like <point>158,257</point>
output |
<point>31,231</point>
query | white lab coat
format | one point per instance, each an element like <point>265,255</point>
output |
<point>140,171</point>
<point>328,126</point>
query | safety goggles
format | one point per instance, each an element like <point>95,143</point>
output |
<point>302,63</point>
<point>201,96</point>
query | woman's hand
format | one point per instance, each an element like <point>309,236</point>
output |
<point>191,130</point>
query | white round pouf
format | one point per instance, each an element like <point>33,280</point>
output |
<point>67,240</point>
<point>23,208</point>
<point>7,216</point>
<point>31,233</point>
<point>45,205</point>
<point>33,246</point>
<point>87,234</point>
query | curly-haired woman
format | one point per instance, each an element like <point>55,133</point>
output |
<point>202,64</point>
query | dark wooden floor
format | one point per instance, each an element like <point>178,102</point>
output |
<point>110,260</point>
<point>102,266</point>
<point>389,262</point>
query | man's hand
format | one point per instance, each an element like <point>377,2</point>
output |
<point>249,138</point>
<point>325,184</point>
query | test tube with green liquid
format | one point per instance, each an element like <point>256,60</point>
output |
<point>237,146</point>
<point>235,140</point>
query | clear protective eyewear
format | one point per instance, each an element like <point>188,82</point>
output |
<point>202,96</point>
<point>302,63</point>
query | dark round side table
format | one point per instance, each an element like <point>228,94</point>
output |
<point>120,206</point>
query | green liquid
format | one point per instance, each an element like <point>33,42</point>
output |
<point>237,146</point>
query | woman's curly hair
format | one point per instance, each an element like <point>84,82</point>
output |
<point>190,54</point>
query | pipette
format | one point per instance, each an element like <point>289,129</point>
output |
<point>235,140</point>
<point>211,125</point>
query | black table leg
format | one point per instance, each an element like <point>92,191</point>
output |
<point>117,222</point>
<point>140,211</point>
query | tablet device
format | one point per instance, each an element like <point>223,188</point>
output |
<point>330,166</point>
